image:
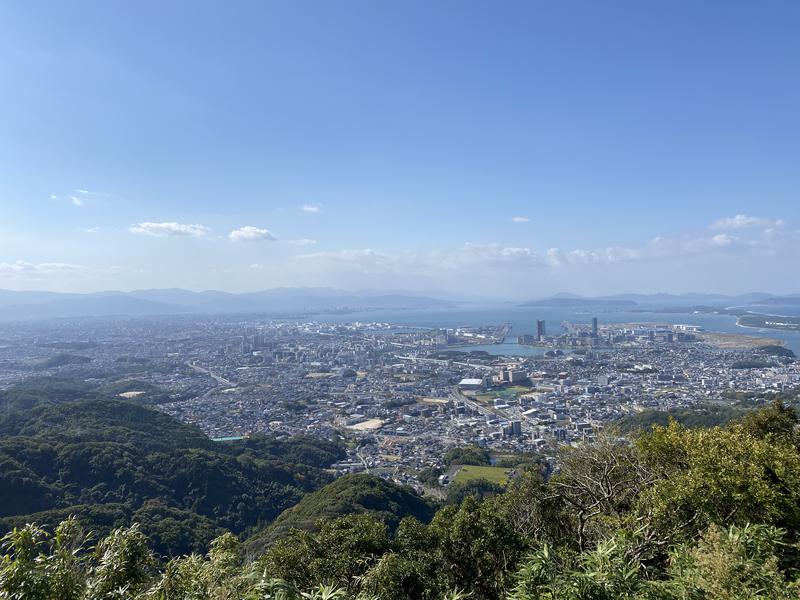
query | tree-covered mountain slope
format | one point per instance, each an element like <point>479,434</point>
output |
<point>111,461</point>
<point>350,494</point>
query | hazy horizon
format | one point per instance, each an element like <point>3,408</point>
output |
<point>468,296</point>
<point>523,152</point>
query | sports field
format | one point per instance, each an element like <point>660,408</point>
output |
<point>493,474</point>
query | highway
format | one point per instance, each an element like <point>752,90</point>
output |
<point>218,378</point>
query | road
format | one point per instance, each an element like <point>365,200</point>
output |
<point>218,378</point>
<point>362,459</point>
<point>443,362</point>
<point>485,411</point>
<point>457,396</point>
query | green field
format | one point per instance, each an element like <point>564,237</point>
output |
<point>506,393</point>
<point>493,474</point>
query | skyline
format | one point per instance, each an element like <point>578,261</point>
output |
<point>523,152</point>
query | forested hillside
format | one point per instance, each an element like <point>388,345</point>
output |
<point>351,494</point>
<point>111,462</point>
<point>700,416</point>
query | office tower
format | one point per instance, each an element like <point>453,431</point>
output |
<point>540,330</point>
<point>594,326</point>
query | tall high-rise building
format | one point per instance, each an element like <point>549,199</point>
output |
<point>594,326</point>
<point>540,330</point>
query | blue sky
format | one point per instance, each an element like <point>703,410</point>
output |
<point>520,147</point>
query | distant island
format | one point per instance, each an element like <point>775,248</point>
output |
<point>696,309</point>
<point>770,322</point>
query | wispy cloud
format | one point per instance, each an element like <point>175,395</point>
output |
<point>249,233</point>
<point>301,242</point>
<point>519,219</point>
<point>579,256</point>
<point>79,197</point>
<point>469,256</point>
<point>22,267</point>
<point>311,208</point>
<point>169,229</point>
<point>364,260</point>
<point>745,221</point>
<point>477,260</point>
<point>72,199</point>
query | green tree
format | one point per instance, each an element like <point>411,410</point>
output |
<point>477,548</point>
<point>775,422</point>
<point>728,477</point>
<point>339,554</point>
<point>733,563</point>
<point>467,455</point>
<point>124,566</point>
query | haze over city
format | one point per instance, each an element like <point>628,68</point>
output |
<point>585,147</point>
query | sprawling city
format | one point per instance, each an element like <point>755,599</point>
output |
<point>403,397</point>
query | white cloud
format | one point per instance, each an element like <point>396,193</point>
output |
<point>76,201</point>
<point>490,257</point>
<point>168,229</point>
<point>723,239</point>
<point>519,219</point>
<point>658,249</point>
<point>745,221</point>
<point>362,257</point>
<point>580,256</point>
<point>248,233</point>
<point>494,255</point>
<point>302,242</point>
<point>497,262</point>
<point>22,267</point>
<point>311,208</point>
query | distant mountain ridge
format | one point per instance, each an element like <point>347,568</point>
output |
<point>790,300</point>
<point>663,299</point>
<point>21,305</point>
<point>42,305</point>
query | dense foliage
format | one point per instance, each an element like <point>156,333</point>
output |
<point>774,350</point>
<point>92,384</point>
<point>467,455</point>
<point>385,501</point>
<point>709,415</point>
<point>110,462</point>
